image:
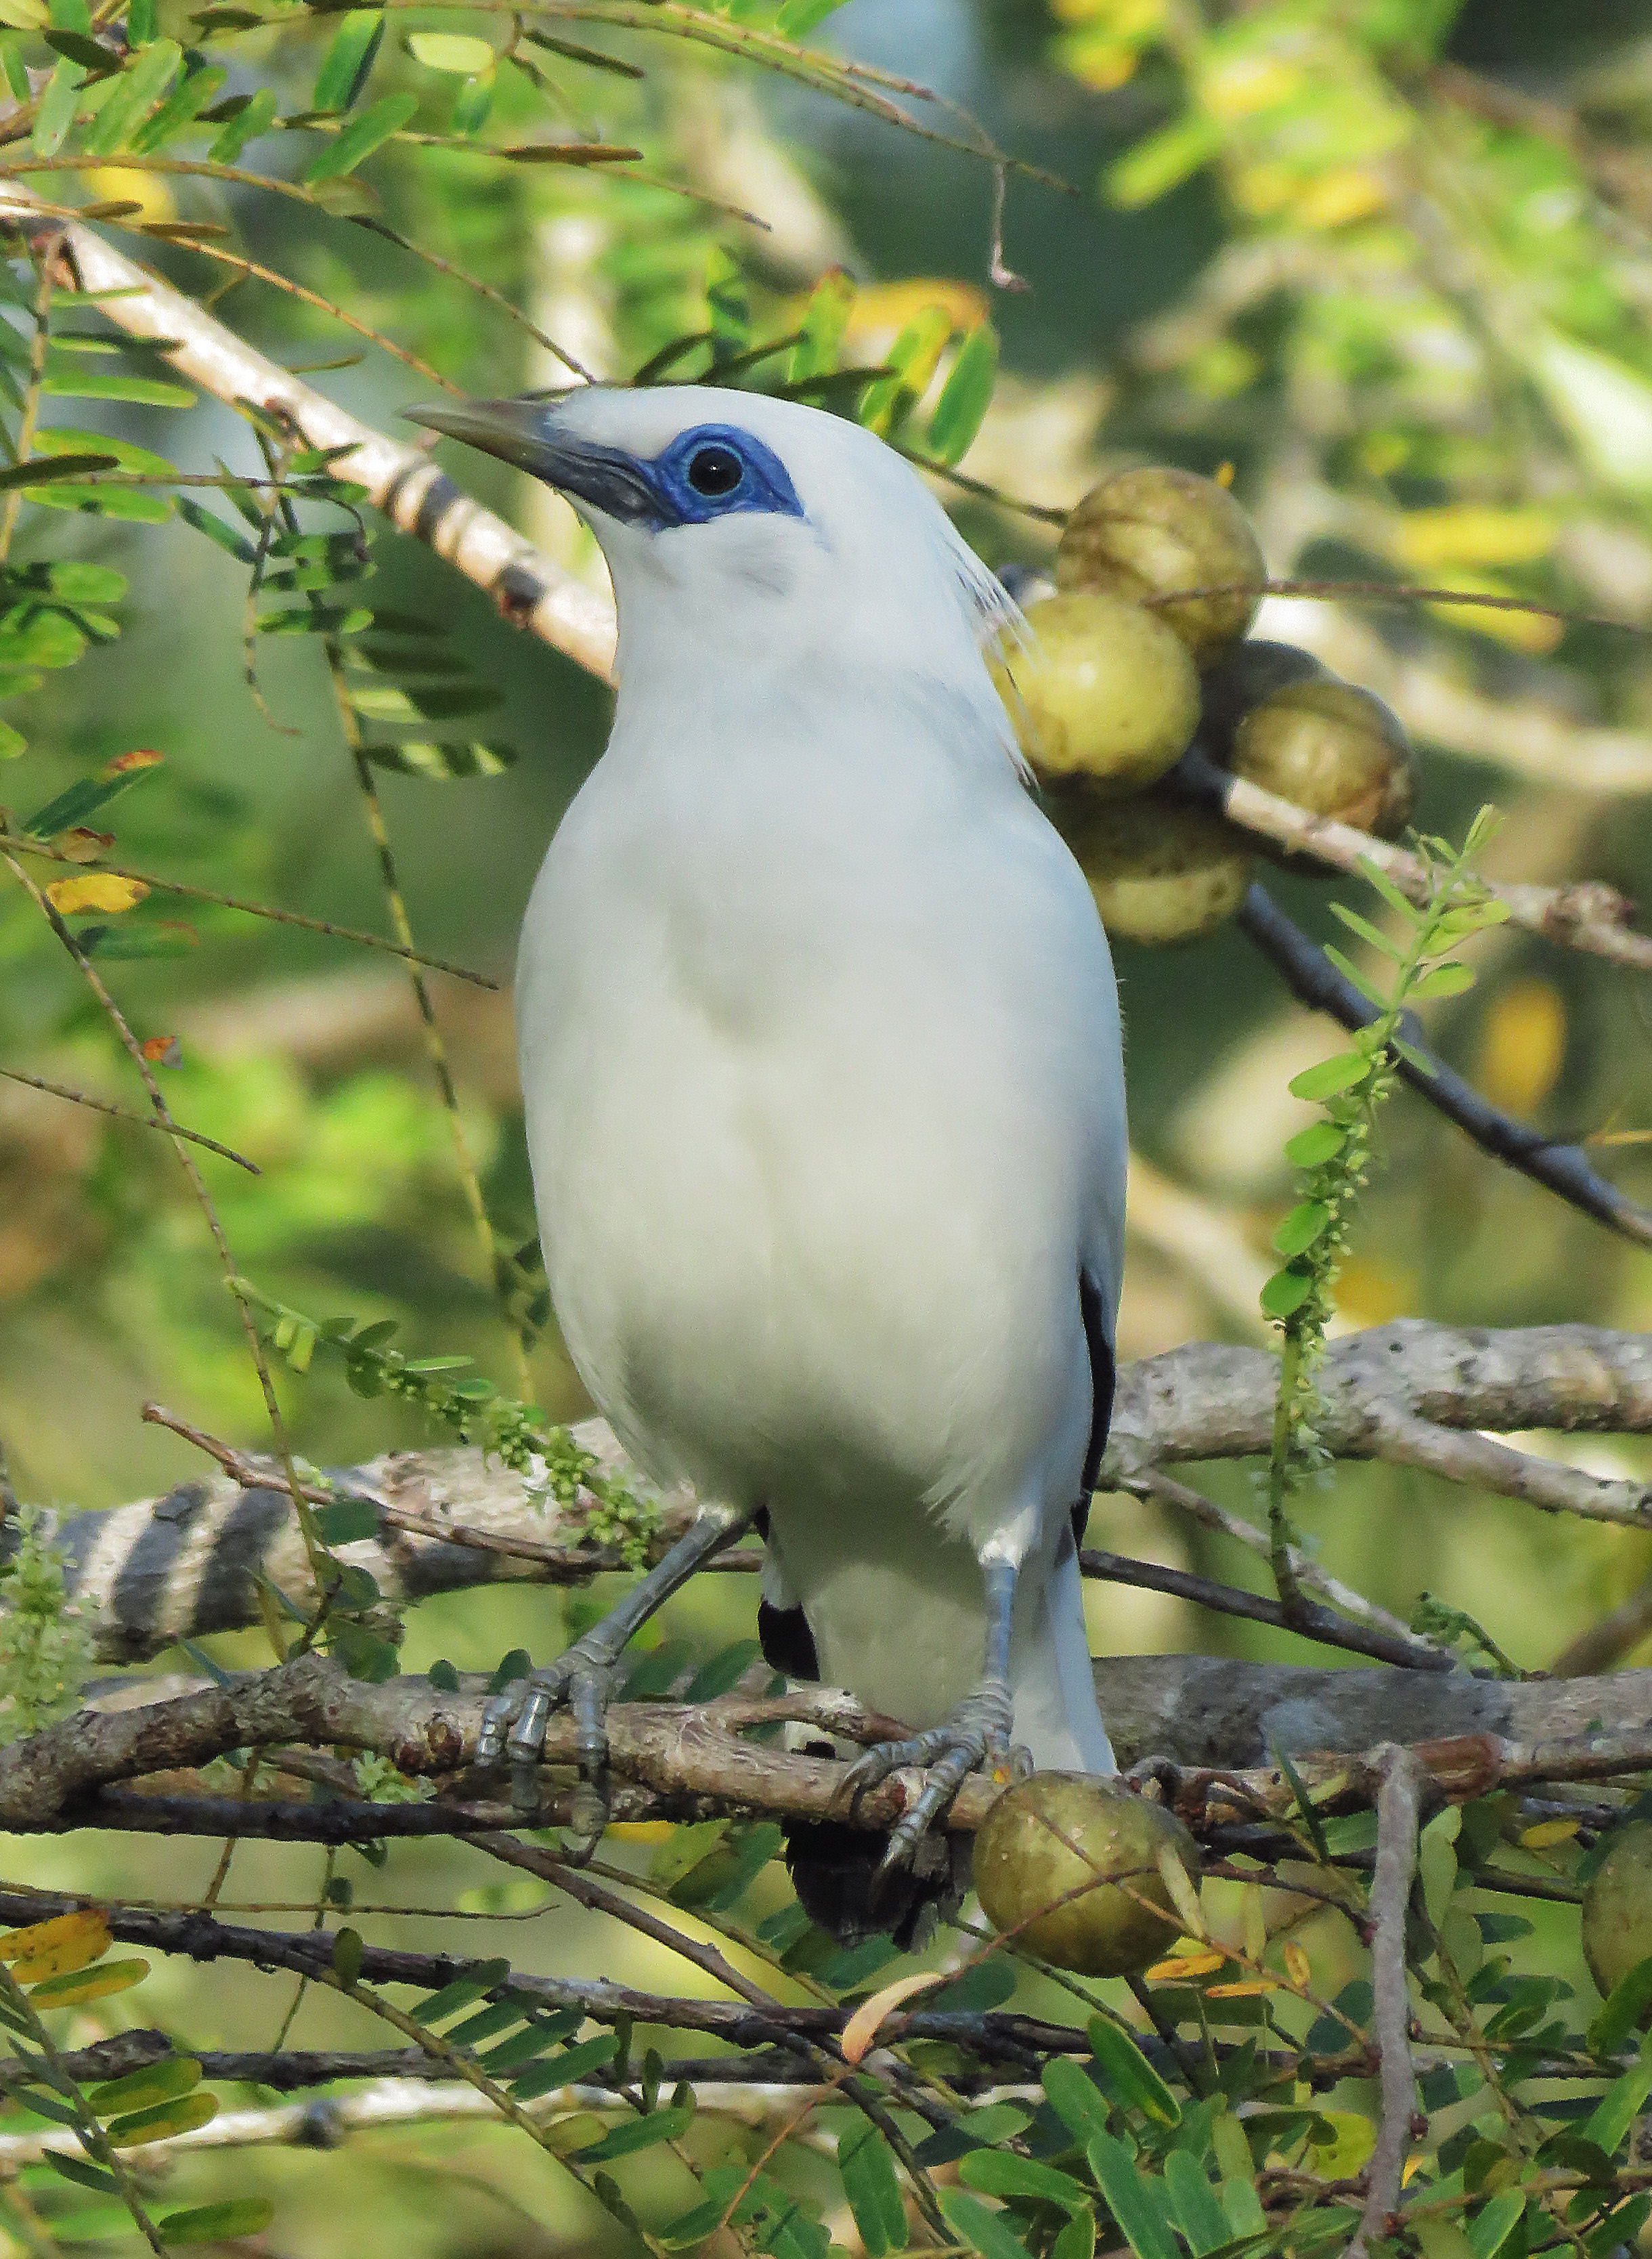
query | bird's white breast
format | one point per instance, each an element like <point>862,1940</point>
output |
<point>819,1052</point>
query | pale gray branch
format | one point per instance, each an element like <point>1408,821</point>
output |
<point>1397,1822</point>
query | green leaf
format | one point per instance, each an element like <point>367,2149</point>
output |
<point>442,760</point>
<point>216,528</point>
<point>75,1985</point>
<point>1315,1144</point>
<point>181,2115</point>
<point>82,2171</point>
<point>1127,2071</point>
<point>360,138</point>
<point>12,742</point>
<point>913,359</point>
<point>463,1992</point>
<point>130,942</point>
<point>255,117</point>
<point>533,2040</point>
<point>1075,2098</point>
<point>56,111</point>
<point>347,1521</point>
<point>1131,2200</point>
<point>39,468</point>
<point>1355,978</point>
<point>1284,1294</point>
<point>97,60</point>
<point>316,619</point>
<point>345,67</point>
<point>1077,2238</point>
<point>1617,2109</point>
<point>1491,2228</point>
<point>1152,167</point>
<point>727,305</point>
<point>989,2233</point>
<point>1194,2203</point>
<point>1330,1076</point>
<point>1371,936</point>
<point>825,319</point>
<point>141,2089</point>
<point>142,85</point>
<point>965,396</point>
<point>1296,1233</point>
<point>147,391</point>
<point>1000,2172</point>
<point>472,103</point>
<point>182,107</point>
<point>458,52</point>
<point>1447,980</point>
<point>798,17</point>
<point>1379,878</point>
<point>346,1956</point>
<point>567,2069</point>
<point>625,2140</point>
<point>1627,2002</point>
<point>218,2223</point>
<point>868,2172</point>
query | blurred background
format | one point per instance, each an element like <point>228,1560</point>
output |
<point>1390,262</point>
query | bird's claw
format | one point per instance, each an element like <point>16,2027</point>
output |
<point>513,1728</point>
<point>976,1733</point>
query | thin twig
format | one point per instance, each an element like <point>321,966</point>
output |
<point>126,1114</point>
<point>257,909</point>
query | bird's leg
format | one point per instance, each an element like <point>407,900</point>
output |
<point>976,1733</point>
<point>514,1721</point>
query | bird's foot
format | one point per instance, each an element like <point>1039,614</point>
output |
<point>513,1724</point>
<point>976,1733</point>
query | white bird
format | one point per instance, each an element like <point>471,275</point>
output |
<point>820,1052</point>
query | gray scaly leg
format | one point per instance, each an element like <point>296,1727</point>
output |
<point>976,1733</point>
<point>515,1720</point>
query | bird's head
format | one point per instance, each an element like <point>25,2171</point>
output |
<point>757,523</point>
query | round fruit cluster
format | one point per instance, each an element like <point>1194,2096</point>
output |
<point>1113,683</point>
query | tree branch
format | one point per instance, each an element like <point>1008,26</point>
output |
<point>185,1564</point>
<point>1397,1823</point>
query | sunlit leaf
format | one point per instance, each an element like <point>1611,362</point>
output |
<point>345,67</point>
<point>458,52</point>
<point>360,138</point>
<point>50,1949</point>
<point>142,2090</point>
<point>72,1990</point>
<point>180,2115</point>
<point>965,396</point>
<point>218,2223</point>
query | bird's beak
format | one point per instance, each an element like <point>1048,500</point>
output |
<point>526,432</point>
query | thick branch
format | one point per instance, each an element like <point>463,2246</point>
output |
<point>146,1574</point>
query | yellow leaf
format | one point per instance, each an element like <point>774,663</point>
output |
<point>1472,533</point>
<point>125,184</point>
<point>96,890</point>
<point>1522,1045</point>
<point>1244,1988</point>
<point>862,2027</point>
<point>1298,1967</point>
<point>50,1949</point>
<point>1337,198</point>
<point>1356,2137</point>
<point>1243,84</point>
<point>1546,1832</point>
<point>180,2116</point>
<point>1527,632</point>
<point>1183,1961</point>
<point>640,1831</point>
<point>69,1991</point>
<point>882,311</point>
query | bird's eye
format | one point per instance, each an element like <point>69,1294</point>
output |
<point>714,471</point>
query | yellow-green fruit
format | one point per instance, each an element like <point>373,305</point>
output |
<point>1151,532</point>
<point>1617,1907</point>
<point>1333,749</point>
<point>1101,690</point>
<point>1023,1866</point>
<point>1241,678</point>
<point>1159,871</point>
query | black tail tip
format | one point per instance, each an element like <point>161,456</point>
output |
<point>841,1886</point>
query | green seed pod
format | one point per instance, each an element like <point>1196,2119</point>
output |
<point>1102,690</point>
<point>1333,749</point>
<point>1160,872</point>
<point>1023,1866</point>
<point>1151,532</point>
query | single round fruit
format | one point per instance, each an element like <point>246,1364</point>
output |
<point>1333,749</point>
<point>1617,1907</point>
<point>1101,689</point>
<point>1160,872</point>
<point>1151,532</point>
<point>1241,678</point>
<point>1023,1866</point>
